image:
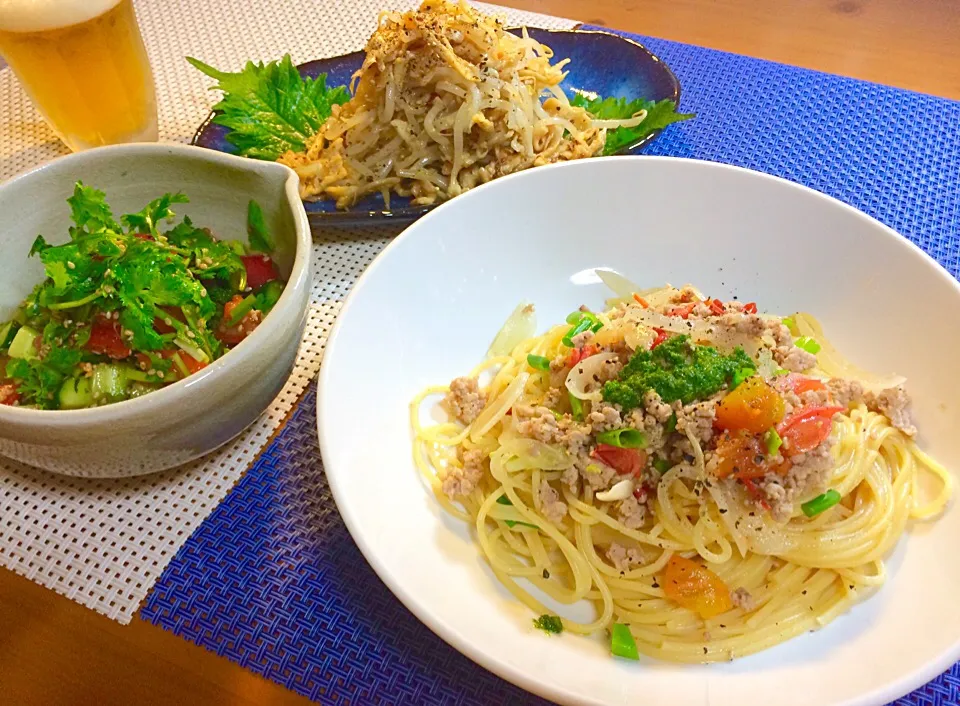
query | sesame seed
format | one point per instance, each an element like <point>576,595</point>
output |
<point>71,265</point>
<point>160,374</point>
<point>191,334</point>
<point>151,371</point>
<point>168,321</point>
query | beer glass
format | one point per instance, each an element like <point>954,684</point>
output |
<point>84,65</point>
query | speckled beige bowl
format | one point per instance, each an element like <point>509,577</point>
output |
<point>196,415</point>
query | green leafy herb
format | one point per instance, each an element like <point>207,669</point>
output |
<point>659,115</point>
<point>38,381</point>
<point>677,369</point>
<point>549,624</point>
<point>258,236</point>
<point>154,213</point>
<point>270,108</point>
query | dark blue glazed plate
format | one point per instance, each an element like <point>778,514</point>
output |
<point>601,63</point>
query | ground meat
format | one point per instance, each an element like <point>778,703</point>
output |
<point>604,417</point>
<point>811,398</point>
<point>894,403</point>
<point>654,431</point>
<point>742,599</point>
<point>632,513</point>
<point>465,400</point>
<point>540,423</point>
<point>598,475</point>
<point>656,407</point>
<point>553,397</point>
<point>551,506</point>
<point>463,481</point>
<point>807,475</point>
<point>846,393</point>
<point>582,339</point>
<point>570,478</point>
<point>698,419</point>
<point>748,324</point>
<point>624,559</point>
<point>685,295</point>
<point>794,359</point>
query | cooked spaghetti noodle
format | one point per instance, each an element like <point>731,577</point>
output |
<point>703,552</point>
<point>446,99</point>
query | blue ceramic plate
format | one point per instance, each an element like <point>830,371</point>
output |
<point>601,63</point>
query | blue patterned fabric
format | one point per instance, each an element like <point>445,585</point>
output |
<point>273,581</point>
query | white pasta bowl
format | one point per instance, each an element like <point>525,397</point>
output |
<point>189,418</point>
<point>427,309</point>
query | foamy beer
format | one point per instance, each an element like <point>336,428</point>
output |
<point>85,67</point>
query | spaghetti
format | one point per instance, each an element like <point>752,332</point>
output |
<point>711,525</point>
<point>445,100</point>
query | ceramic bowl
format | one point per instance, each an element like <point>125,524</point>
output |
<point>438,294</point>
<point>194,416</point>
<point>601,63</point>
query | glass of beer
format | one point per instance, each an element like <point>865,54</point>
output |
<point>84,65</point>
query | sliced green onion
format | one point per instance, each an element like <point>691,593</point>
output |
<point>739,376</point>
<point>808,344</point>
<point>549,623</point>
<point>576,407</point>
<point>241,310</point>
<point>538,362</point>
<point>556,415</point>
<point>504,500</point>
<point>789,322</point>
<point>585,323</point>
<point>672,423</point>
<point>597,326</point>
<point>662,465</point>
<point>814,507</point>
<point>181,366</point>
<point>574,317</point>
<point>513,523</point>
<point>5,334</point>
<point>623,438</point>
<point>191,350</point>
<point>773,441</point>
<point>781,371</point>
<point>622,643</point>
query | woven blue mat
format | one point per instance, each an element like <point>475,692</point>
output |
<point>273,581</point>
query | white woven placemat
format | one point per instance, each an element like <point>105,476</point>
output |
<point>105,543</point>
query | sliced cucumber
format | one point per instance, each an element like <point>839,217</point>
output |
<point>109,382</point>
<point>24,344</point>
<point>6,333</point>
<point>76,393</point>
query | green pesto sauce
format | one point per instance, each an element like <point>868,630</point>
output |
<point>678,370</point>
<point>549,623</point>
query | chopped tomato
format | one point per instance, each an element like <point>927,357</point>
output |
<point>661,337</point>
<point>143,236</point>
<point>799,383</point>
<point>756,494</point>
<point>741,456</point>
<point>640,300</point>
<point>576,355</point>
<point>626,462</point>
<point>695,587</point>
<point>9,395</point>
<point>716,306</point>
<point>191,363</point>
<point>683,311</point>
<point>750,308</point>
<point>753,406</point>
<point>805,430</point>
<point>260,270</point>
<point>105,339</point>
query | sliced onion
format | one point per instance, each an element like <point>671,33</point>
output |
<point>497,408</point>
<point>580,380</point>
<point>639,336</point>
<point>519,326</point>
<point>619,491</point>
<point>699,330</point>
<point>766,365</point>
<point>524,454</point>
<point>620,285</point>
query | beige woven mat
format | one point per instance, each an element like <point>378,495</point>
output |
<point>105,543</point>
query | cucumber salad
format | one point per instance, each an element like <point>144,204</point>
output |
<point>131,305</point>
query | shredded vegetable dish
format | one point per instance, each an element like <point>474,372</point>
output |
<point>130,306</point>
<point>715,480</point>
<point>446,99</point>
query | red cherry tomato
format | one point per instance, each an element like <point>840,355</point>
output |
<point>260,270</point>
<point>805,430</point>
<point>626,462</point>
<point>105,339</point>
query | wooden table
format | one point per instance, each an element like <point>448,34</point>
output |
<point>53,651</point>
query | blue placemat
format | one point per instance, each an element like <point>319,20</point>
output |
<point>273,581</point>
